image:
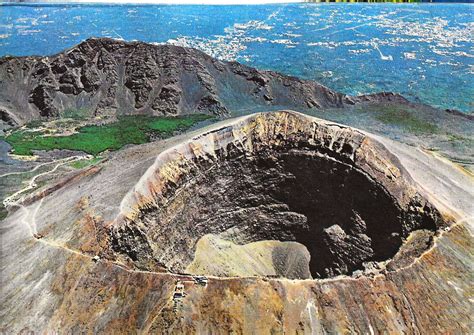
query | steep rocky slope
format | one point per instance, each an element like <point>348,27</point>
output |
<point>322,186</point>
<point>105,76</point>
<point>388,225</point>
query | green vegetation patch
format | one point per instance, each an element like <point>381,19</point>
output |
<point>94,139</point>
<point>405,119</point>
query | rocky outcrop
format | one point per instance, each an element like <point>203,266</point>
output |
<point>275,177</point>
<point>103,76</point>
<point>104,261</point>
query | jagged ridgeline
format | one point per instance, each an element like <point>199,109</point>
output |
<point>106,76</point>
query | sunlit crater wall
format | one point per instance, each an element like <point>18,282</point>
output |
<point>309,199</point>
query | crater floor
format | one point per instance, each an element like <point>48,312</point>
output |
<point>380,231</point>
<point>293,199</point>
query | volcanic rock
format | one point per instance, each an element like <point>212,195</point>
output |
<point>380,232</point>
<point>105,75</point>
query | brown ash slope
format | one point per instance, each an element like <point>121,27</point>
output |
<point>419,232</point>
<point>384,229</point>
<point>109,76</point>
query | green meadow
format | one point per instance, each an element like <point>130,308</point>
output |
<point>94,139</point>
<point>406,120</point>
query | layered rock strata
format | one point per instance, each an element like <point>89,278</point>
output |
<point>97,253</point>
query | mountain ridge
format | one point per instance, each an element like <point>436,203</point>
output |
<point>104,76</point>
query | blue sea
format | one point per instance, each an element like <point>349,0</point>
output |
<point>423,51</point>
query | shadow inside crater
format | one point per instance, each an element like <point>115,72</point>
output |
<point>342,216</point>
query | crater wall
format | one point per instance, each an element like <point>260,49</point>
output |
<point>338,196</point>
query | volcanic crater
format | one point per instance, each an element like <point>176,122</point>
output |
<point>275,196</point>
